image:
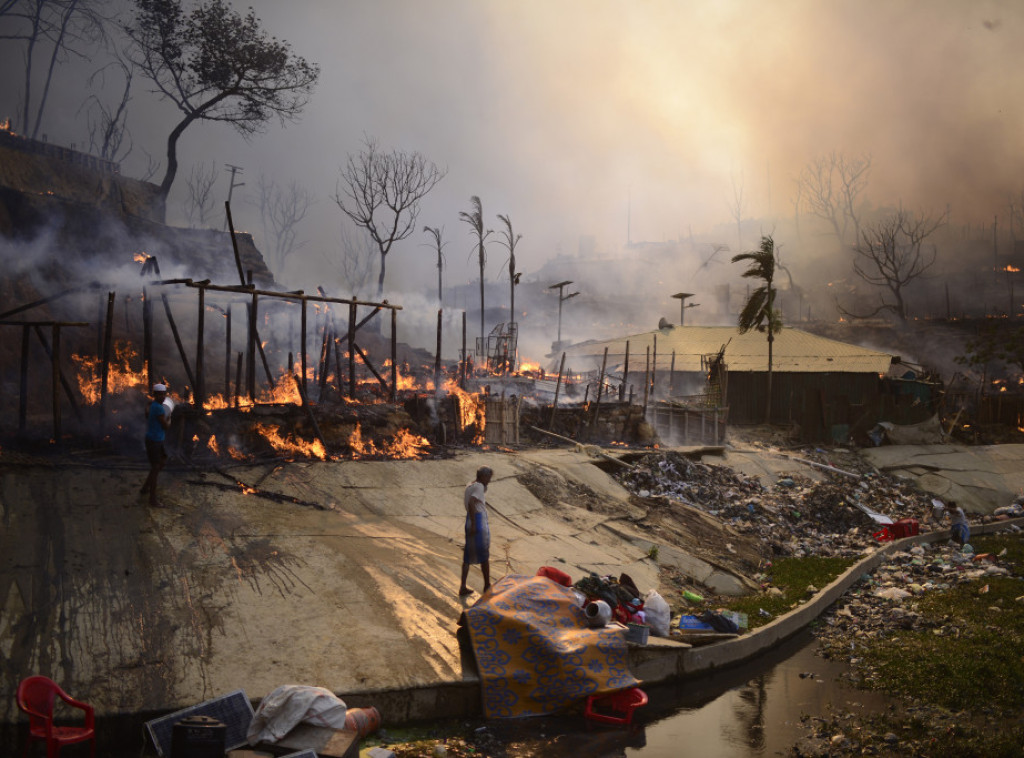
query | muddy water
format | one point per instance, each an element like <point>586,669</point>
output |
<point>754,710</point>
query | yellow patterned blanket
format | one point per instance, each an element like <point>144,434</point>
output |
<point>535,652</point>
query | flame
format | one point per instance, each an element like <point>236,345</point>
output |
<point>1009,269</point>
<point>272,434</point>
<point>528,366</point>
<point>235,453</point>
<point>141,257</point>
<point>405,444</point>
<point>120,375</point>
<point>212,444</point>
<point>472,410</point>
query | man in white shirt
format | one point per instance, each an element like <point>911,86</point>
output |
<point>478,531</point>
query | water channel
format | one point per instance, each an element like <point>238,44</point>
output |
<point>750,711</point>
<point>747,712</point>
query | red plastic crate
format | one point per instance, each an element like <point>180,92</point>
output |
<point>905,527</point>
<point>621,704</point>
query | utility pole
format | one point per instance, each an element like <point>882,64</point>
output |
<point>233,170</point>
<point>681,296</point>
<point>562,297</point>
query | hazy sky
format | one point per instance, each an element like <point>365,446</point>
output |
<point>565,113</point>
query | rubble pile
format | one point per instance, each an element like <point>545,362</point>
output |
<point>797,516</point>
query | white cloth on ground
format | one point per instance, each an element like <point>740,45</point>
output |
<point>292,704</point>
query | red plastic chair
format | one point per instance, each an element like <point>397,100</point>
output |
<point>36,696</point>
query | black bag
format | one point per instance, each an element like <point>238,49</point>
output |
<point>720,623</point>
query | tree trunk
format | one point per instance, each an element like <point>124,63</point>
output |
<point>483,338</point>
<point>768,398</point>
<point>172,158</point>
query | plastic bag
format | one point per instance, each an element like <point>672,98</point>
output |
<point>658,614</point>
<point>291,704</point>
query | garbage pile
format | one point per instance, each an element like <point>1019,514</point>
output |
<point>796,516</point>
<point>874,607</point>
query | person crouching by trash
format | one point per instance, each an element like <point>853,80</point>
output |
<point>959,530</point>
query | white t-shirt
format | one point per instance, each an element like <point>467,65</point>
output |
<point>475,490</point>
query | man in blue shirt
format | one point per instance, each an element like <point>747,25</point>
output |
<point>157,422</point>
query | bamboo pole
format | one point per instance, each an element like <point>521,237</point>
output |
<point>600,389</point>
<point>200,386</point>
<point>227,353</point>
<point>672,375</point>
<point>53,355</point>
<point>147,336</point>
<point>558,387</point>
<point>108,336</point>
<point>394,355</point>
<point>465,356</point>
<point>238,380</point>
<point>23,398</point>
<point>177,341</point>
<point>304,336</point>
<point>437,356</point>
<point>625,375</point>
<point>250,351</point>
<point>647,379</point>
<point>654,367</point>
<point>352,350</point>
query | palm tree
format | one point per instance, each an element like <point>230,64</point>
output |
<point>509,240</point>
<point>759,311</point>
<point>475,219</point>
<point>436,233</point>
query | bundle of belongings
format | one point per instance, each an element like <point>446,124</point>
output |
<point>536,652</point>
<point>621,595</point>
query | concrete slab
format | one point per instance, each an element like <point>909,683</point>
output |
<point>981,478</point>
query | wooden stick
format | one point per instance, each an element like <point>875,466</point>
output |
<point>600,388</point>
<point>177,341</point>
<point>309,411</point>
<point>558,387</point>
<point>108,335</point>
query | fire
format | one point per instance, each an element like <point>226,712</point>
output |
<point>212,445</point>
<point>272,434</point>
<point>526,366</point>
<point>120,375</point>
<point>404,445</point>
<point>472,410</point>
<point>1009,269</point>
<point>141,257</point>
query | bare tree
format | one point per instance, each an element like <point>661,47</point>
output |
<point>509,240</point>
<point>357,255</point>
<point>108,124</point>
<point>436,233</point>
<point>216,65</point>
<point>282,210</point>
<point>381,192</point>
<point>892,255</point>
<point>199,201</point>
<point>832,186</point>
<point>475,219</point>
<point>52,32</point>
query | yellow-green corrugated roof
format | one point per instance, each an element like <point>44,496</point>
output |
<point>794,351</point>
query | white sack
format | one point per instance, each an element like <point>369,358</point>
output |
<point>658,613</point>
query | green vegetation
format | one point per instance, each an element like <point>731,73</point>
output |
<point>972,652</point>
<point>792,576</point>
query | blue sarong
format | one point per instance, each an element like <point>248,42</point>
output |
<point>478,544</point>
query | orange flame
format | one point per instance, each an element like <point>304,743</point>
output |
<point>472,410</point>
<point>120,375</point>
<point>290,445</point>
<point>404,445</point>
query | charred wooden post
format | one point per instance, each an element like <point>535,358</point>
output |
<point>147,336</point>
<point>108,335</point>
<point>647,379</point>
<point>654,366</point>
<point>394,355</point>
<point>325,357</point>
<point>376,374</point>
<point>238,380</point>
<point>600,389</point>
<point>200,385</point>
<point>625,375</point>
<point>672,375</point>
<point>352,350</point>
<point>250,366</point>
<point>55,356</point>
<point>558,387</point>
<point>465,356</point>
<point>337,367</point>
<point>309,412</point>
<point>177,341</point>
<point>23,398</point>
<point>227,353</point>
<point>234,242</point>
<point>303,338</point>
<point>437,355</point>
<point>55,366</point>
